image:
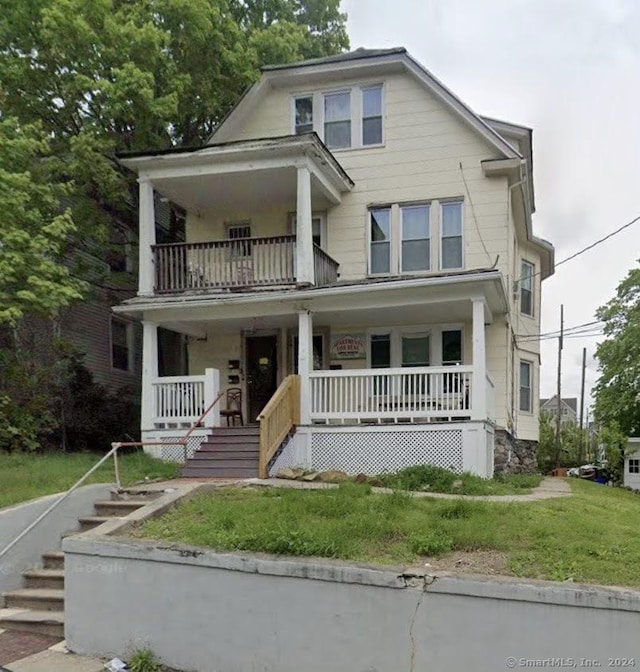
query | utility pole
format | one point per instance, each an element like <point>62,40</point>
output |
<point>582,433</point>
<point>559,409</point>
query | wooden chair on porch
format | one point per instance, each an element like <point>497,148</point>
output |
<point>234,406</point>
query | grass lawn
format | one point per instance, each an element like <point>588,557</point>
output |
<point>589,537</point>
<point>427,478</point>
<point>25,476</point>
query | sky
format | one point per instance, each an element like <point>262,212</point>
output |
<point>570,70</point>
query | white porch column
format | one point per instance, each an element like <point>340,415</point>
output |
<point>146,238</point>
<point>211,391</point>
<point>479,380</point>
<point>305,272</point>
<point>305,363</point>
<point>149,373</point>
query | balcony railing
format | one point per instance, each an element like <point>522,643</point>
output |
<point>391,395</point>
<point>226,264</point>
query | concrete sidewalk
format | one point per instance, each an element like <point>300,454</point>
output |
<point>54,659</point>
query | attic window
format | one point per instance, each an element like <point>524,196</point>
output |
<point>304,114</point>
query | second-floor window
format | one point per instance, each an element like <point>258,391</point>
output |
<point>415,238</point>
<point>337,119</point>
<point>303,110</point>
<point>526,287</point>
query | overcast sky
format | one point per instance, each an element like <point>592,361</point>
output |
<point>569,69</point>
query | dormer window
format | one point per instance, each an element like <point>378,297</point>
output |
<point>304,114</point>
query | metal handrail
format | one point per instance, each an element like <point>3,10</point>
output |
<point>113,452</point>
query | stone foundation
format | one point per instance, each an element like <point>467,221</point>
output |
<point>514,456</point>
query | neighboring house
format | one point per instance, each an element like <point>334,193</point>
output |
<point>631,476</point>
<point>354,231</point>
<point>568,408</point>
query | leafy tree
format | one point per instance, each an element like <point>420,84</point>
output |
<point>34,230</point>
<point>617,392</point>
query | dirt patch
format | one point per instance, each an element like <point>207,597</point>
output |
<point>471,562</point>
<point>15,645</point>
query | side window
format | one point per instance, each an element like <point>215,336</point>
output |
<point>526,287</point>
<point>380,240</point>
<point>526,386</point>
<point>634,466</point>
<point>451,224</point>
<point>372,116</point>
<point>303,111</point>
<point>121,344</point>
<point>451,347</point>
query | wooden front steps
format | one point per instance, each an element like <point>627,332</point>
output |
<point>228,452</point>
<point>39,605</point>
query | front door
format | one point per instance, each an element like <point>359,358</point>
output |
<point>262,372</point>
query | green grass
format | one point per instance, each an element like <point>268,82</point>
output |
<point>590,537</point>
<point>24,476</point>
<point>427,478</point>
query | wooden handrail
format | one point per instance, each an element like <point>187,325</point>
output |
<point>277,419</point>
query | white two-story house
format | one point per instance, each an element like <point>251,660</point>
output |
<point>359,269</point>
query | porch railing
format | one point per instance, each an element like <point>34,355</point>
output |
<point>242,262</point>
<point>277,419</point>
<point>179,400</point>
<point>380,395</point>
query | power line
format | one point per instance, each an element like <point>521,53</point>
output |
<point>568,330</point>
<point>585,249</point>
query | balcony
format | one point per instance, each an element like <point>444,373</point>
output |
<point>234,264</point>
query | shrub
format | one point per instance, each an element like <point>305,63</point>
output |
<point>434,543</point>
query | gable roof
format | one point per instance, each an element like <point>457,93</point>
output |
<point>357,63</point>
<point>570,402</point>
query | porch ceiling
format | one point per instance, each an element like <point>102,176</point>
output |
<point>401,302</point>
<point>251,189</point>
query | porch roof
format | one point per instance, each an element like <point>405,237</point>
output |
<point>195,177</point>
<point>439,298</point>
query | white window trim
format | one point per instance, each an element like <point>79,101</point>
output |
<point>532,372</point>
<point>636,465</point>
<point>532,314</point>
<point>130,344</point>
<point>442,202</point>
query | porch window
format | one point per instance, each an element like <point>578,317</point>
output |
<point>303,114</point>
<point>415,350</point>
<point>381,351</point>
<point>318,228</point>
<point>526,378</point>
<point>451,224</point>
<point>372,116</point>
<point>416,242</point>
<point>526,287</point>
<point>451,356</point>
<point>337,120</point>
<point>380,223</point>
<point>239,232</point>
<point>121,344</point>
<point>634,466</point>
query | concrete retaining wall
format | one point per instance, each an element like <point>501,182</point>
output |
<point>213,612</point>
<point>46,535</point>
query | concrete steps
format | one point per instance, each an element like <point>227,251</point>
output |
<point>39,606</point>
<point>228,452</point>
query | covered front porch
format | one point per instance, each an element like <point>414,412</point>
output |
<point>399,361</point>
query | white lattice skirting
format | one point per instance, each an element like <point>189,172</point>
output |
<point>172,452</point>
<point>375,450</point>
